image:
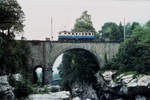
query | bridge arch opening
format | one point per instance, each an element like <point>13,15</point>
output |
<point>59,60</point>
<point>38,74</point>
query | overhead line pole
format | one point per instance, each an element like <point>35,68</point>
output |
<point>124,30</point>
<point>51,29</point>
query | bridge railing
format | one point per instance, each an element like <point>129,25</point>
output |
<point>95,41</point>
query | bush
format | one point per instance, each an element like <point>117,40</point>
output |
<point>45,90</point>
<point>54,89</point>
<point>22,87</point>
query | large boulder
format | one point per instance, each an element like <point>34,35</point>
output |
<point>84,91</point>
<point>126,85</point>
<point>6,91</point>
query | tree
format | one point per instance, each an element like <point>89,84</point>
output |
<point>78,66</point>
<point>12,53</point>
<point>134,25</point>
<point>11,17</point>
<point>129,28</point>
<point>111,31</point>
<point>84,24</point>
<point>121,31</point>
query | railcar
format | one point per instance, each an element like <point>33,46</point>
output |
<point>64,36</point>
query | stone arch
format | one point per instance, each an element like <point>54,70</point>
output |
<point>35,78</point>
<point>97,58</point>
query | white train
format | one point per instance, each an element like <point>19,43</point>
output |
<point>65,35</point>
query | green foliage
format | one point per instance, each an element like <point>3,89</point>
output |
<point>22,87</point>
<point>111,31</point>
<point>11,17</point>
<point>40,90</point>
<point>134,53</point>
<point>45,90</point>
<point>13,55</point>
<point>129,28</point>
<point>54,89</point>
<point>84,24</point>
<point>12,81</point>
<point>77,66</point>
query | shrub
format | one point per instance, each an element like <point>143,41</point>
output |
<point>23,88</point>
<point>45,90</point>
<point>12,81</point>
<point>54,89</point>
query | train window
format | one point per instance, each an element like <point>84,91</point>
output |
<point>64,33</point>
<point>76,33</point>
<point>82,33</point>
<point>89,33</point>
<point>85,33</point>
<point>72,33</point>
<point>68,33</point>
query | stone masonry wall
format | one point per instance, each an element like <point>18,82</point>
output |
<point>44,53</point>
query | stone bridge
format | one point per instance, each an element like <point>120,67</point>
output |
<point>44,53</point>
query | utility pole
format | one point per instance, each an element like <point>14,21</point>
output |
<point>51,28</point>
<point>124,31</point>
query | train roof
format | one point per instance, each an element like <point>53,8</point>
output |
<point>74,32</point>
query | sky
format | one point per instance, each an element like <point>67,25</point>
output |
<point>57,63</point>
<point>38,14</point>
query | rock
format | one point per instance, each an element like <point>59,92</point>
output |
<point>76,98</point>
<point>129,80</point>
<point>88,99</point>
<point>124,89</point>
<point>84,91</point>
<point>17,77</point>
<point>140,98</point>
<point>62,95</point>
<point>144,80</point>
<point>126,86</point>
<point>100,79</point>
<point>108,75</point>
<point>6,91</point>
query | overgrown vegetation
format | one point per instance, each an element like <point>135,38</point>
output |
<point>54,89</point>
<point>134,53</point>
<point>77,66</point>
<point>22,87</point>
<point>112,32</point>
<point>13,54</point>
